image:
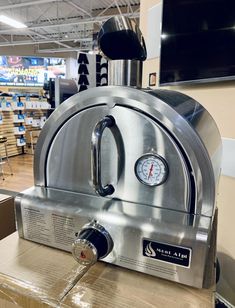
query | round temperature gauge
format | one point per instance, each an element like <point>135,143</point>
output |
<point>151,169</point>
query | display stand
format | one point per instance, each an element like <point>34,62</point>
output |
<point>32,275</point>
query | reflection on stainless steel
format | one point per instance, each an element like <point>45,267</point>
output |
<point>107,121</point>
<point>127,186</point>
<point>92,243</point>
<point>127,176</point>
<point>121,38</point>
<point>128,224</point>
<point>125,73</point>
<point>152,125</point>
<point>81,148</point>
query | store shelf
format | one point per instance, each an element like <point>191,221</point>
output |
<point>15,112</point>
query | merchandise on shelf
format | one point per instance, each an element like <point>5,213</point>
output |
<point>16,104</point>
<point>42,121</point>
<point>28,102</point>
<point>19,130</point>
<point>6,104</point>
<point>36,123</point>
<point>32,103</point>
<point>22,110</point>
<point>25,112</point>
<point>20,142</point>
<point>28,120</point>
<point>18,118</point>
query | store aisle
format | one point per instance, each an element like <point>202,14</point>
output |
<point>22,178</point>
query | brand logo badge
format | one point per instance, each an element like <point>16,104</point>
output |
<point>149,251</point>
<point>167,253</point>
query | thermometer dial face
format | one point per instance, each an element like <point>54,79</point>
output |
<point>151,169</point>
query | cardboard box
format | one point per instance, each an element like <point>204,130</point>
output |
<point>32,275</point>
<point>7,216</point>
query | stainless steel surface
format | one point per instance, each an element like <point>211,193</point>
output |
<point>198,117</point>
<point>121,147</point>
<point>166,229</point>
<point>210,266</point>
<point>64,88</point>
<point>84,252</point>
<point>19,223</point>
<point>97,133</point>
<point>128,224</point>
<point>176,127</point>
<point>121,38</point>
<point>125,73</point>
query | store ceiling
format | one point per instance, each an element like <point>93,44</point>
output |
<point>60,25</point>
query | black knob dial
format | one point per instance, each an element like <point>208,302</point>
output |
<point>93,243</point>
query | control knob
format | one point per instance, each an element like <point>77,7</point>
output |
<point>93,243</point>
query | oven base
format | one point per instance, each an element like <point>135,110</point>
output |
<point>153,244</point>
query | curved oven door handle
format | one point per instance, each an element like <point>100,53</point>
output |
<point>107,121</point>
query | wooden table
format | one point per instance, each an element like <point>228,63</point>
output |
<point>32,275</point>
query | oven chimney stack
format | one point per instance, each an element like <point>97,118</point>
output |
<point>121,42</point>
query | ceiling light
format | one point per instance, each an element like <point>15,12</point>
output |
<point>12,22</point>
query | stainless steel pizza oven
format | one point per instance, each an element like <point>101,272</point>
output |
<point>128,176</point>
